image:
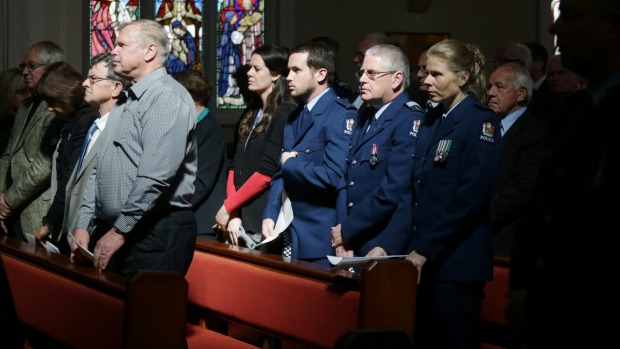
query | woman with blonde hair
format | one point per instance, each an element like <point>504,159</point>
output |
<point>455,163</point>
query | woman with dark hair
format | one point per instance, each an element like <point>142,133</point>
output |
<point>211,146</point>
<point>258,151</point>
<point>61,88</point>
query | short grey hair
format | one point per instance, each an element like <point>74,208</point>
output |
<point>48,52</point>
<point>394,59</point>
<point>151,32</point>
<point>521,78</point>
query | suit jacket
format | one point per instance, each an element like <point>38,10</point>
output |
<point>211,173</point>
<point>522,155</point>
<point>75,189</point>
<point>452,192</point>
<point>27,163</point>
<point>66,157</point>
<point>262,155</point>
<point>311,178</point>
<point>376,197</point>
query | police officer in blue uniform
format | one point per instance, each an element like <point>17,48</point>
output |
<point>456,161</point>
<point>316,140</point>
<point>374,199</point>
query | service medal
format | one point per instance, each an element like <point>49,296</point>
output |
<point>441,155</point>
<point>373,154</point>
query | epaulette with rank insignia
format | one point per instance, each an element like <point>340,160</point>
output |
<point>414,106</point>
<point>343,102</point>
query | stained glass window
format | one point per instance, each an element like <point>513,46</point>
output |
<point>182,19</point>
<point>555,13</point>
<point>105,18</point>
<point>240,30</point>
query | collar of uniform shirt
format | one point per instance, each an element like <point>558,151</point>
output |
<point>445,115</point>
<point>314,100</point>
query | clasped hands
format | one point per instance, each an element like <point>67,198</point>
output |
<point>229,224</point>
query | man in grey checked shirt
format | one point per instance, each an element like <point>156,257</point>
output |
<point>137,204</point>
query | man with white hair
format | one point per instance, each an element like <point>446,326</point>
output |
<point>509,93</point>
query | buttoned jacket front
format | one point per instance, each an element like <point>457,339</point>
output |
<point>376,197</point>
<point>452,193</point>
<point>311,178</point>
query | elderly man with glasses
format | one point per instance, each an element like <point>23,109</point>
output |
<point>25,165</point>
<point>103,91</point>
<point>374,201</point>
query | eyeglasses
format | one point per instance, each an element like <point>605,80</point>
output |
<point>30,66</point>
<point>94,79</point>
<point>372,75</point>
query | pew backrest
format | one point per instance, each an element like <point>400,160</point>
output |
<point>306,303</point>
<point>82,308</point>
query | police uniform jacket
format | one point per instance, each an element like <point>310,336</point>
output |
<point>455,165</point>
<point>310,179</point>
<point>376,214</point>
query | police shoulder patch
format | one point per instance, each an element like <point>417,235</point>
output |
<point>487,132</point>
<point>415,128</point>
<point>348,126</point>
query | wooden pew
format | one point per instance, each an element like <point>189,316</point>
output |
<point>302,303</point>
<point>78,307</point>
<point>496,331</point>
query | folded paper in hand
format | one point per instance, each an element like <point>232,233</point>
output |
<point>360,260</point>
<point>32,240</point>
<point>83,250</point>
<point>285,217</point>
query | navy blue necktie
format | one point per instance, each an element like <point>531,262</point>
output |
<point>304,120</point>
<point>89,136</point>
<point>371,117</point>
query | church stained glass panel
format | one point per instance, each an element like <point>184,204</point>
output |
<point>105,18</point>
<point>555,13</point>
<point>183,21</point>
<point>240,30</point>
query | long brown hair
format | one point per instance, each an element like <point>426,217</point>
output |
<point>276,60</point>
